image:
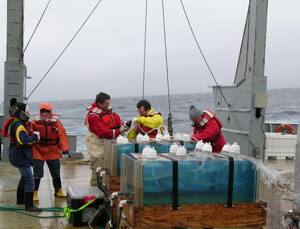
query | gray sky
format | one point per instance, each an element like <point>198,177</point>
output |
<point>107,55</point>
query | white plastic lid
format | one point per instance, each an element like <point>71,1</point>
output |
<point>186,137</point>
<point>235,148</point>
<point>226,148</point>
<point>173,148</point>
<point>146,138</point>
<point>181,151</point>
<point>122,140</point>
<point>159,137</point>
<point>139,138</point>
<point>178,136</point>
<point>207,147</point>
<point>199,145</point>
<point>167,136</point>
<point>151,153</point>
<point>145,151</point>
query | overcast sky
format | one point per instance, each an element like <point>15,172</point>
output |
<point>107,55</point>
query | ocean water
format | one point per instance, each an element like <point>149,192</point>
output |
<point>283,106</point>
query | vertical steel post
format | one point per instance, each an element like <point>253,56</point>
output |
<point>15,70</point>
<point>296,195</point>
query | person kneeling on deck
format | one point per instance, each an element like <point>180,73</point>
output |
<point>53,141</point>
<point>148,121</point>
<point>20,151</point>
<point>102,123</point>
<point>207,127</point>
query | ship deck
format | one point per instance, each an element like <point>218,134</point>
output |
<point>76,172</point>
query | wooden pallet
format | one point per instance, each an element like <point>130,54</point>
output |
<point>198,215</point>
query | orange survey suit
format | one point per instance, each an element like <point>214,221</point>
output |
<point>53,136</point>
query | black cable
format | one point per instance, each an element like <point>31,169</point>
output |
<point>64,49</point>
<point>170,128</point>
<point>145,40</point>
<point>202,52</point>
<point>166,52</point>
<point>37,26</point>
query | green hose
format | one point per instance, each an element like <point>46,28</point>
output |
<point>66,210</point>
<point>120,216</point>
<point>286,198</point>
<point>21,211</point>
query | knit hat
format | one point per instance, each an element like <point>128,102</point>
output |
<point>21,106</point>
<point>194,112</point>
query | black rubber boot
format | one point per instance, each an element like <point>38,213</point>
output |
<point>37,182</point>
<point>29,203</point>
<point>20,196</point>
<point>36,188</point>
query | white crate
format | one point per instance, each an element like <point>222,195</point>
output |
<point>280,145</point>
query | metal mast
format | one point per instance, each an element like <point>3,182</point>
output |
<point>244,115</point>
<point>15,70</point>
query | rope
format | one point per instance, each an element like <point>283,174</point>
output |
<point>65,48</point>
<point>158,129</point>
<point>170,128</point>
<point>37,26</point>
<point>218,86</point>
<point>145,40</point>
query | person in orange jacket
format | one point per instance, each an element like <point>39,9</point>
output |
<point>52,146</point>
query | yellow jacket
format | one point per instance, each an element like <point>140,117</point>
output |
<point>151,121</point>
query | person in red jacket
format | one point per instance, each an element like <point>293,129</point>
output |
<point>52,146</point>
<point>102,123</point>
<point>207,127</point>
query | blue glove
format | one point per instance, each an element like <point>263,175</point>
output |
<point>65,155</point>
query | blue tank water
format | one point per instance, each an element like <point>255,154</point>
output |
<point>199,182</point>
<point>160,147</point>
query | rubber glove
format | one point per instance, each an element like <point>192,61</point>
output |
<point>37,133</point>
<point>65,155</point>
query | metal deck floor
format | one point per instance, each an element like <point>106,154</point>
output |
<point>73,173</point>
<point>76,172</point>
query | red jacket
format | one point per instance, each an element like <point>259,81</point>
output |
<point>104,124</point>
<point>210,132</point>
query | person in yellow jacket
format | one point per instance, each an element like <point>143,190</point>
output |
<point>148,121</point>
<point>52,146</point>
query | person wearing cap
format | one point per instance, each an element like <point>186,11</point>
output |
<point>207,127</point>
<point>52,146</point>
<point>20,151</point>
<point>148,121</point>
<point>102,123</point>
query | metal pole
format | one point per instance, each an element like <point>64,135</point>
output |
<point>296,198</point>
<point>15,70</point>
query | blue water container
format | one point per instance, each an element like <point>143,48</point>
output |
<point>113,157</point>
<point>201,180</point>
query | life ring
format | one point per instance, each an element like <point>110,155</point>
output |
<point>282,127</point>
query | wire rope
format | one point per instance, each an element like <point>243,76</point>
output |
<point>65,48</point>
<point>36,26</point>
<point>170,128</point>
<point>145,45</point>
